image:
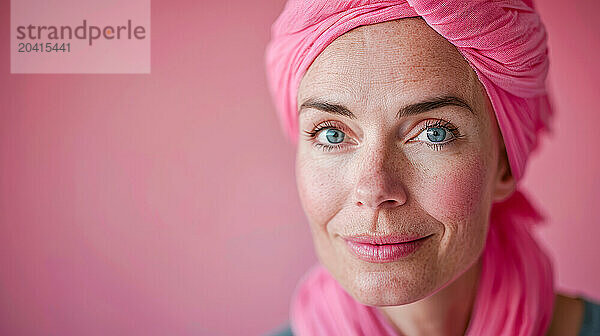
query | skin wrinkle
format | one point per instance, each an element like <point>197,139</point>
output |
<point>373,71</point>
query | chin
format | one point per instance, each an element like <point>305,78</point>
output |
<point>373,288</point>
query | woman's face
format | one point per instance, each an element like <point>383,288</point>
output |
<point>397,137</point>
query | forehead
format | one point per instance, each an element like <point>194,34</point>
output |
<point>396,60</point>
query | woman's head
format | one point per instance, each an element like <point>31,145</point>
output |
<point>391,175</point>
<point>398,137</point>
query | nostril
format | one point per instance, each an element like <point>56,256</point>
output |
<point>389,203</point>
<point>384,204</point>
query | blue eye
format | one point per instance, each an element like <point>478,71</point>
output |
<point>328,136</point>
<point>436,134</point>
<point>334,136</point>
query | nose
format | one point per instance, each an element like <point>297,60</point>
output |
<point>379,182</point>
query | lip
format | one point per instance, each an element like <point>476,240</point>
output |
<point>384,249</point>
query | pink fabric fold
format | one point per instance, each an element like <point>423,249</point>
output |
<point>504,41</point>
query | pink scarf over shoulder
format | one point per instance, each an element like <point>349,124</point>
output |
<point>504,41</point>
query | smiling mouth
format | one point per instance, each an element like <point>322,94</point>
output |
<point>383,249</point>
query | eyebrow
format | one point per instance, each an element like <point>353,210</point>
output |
<point>409,110</point>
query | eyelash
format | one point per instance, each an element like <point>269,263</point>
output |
<point>438,123</point>
<point>319,127</point>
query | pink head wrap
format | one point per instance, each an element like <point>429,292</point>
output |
<point>504,41</point>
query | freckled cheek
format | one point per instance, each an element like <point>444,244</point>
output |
<point>320,189</point>
<point>454,192</point>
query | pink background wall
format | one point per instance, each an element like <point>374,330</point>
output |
<point>165,204</point>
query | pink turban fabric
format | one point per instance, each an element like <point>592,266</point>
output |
<point>504,41</point>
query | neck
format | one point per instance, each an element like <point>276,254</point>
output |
<point>446,312</point>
